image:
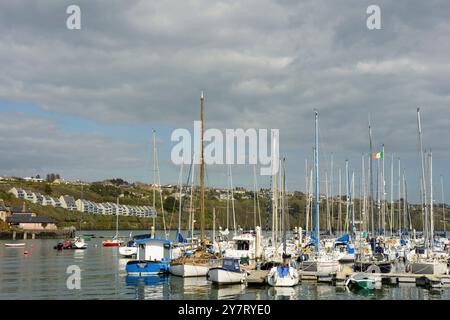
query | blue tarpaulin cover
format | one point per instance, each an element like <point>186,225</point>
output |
<point>180,238</point>
<point>283,271</point>
<point>344,238</point>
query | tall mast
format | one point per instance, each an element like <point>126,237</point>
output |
<point>154,176</point>
<point>283,206</point>
<point>363,186</point>
<point>346,195</point>
<point>331,193</point>
<point>399,200</point>
<point>306,194</point>
<point>353,202</point>
<point>316,172</point>
<point>340,203</point>
<point>202,176</point>
<point>391,224</point>
<point>405,205</point>
<point>371,180</point>
<point>327,203</point>
<point>423,184</point>
<point>383,194</point>
<point>275,197</point>
<point>431,201</point>
<point>443,205</point>
<point>181,196</point>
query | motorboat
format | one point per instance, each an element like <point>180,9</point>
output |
<point>152,257</point>
<point>230,272</point>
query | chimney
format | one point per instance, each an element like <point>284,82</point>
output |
<point>24,207</point>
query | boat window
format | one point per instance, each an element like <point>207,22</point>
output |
<point>243,245</point>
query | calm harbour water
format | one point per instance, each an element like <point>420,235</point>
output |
<point>42,275</point>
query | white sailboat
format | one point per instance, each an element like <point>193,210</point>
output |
<point>321,262</point>
<point>430,263</point>
<point>285,275</point>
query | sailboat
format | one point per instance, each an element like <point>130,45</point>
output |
<point>429,263</point>
<point>321,262</point>
<point>373,259</point>
<point>284,275</point>
<point>115,242</point>
<point>197,263</point>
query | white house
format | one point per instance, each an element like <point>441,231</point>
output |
<point>56,203</point>
<point>68,202</point>
<point>47,201</point>
<point>18,193</point>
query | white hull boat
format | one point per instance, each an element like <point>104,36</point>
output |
<point>229,273</point>
<point>14,245</point>
<point>283,277</point>
<point>188,270</point>
<point>222,276</point>
<point>127,251</point>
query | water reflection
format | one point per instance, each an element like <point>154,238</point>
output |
<point>150,287</point>
<point>227,291</point>
<point>282,293</point>
<point>42,275</point>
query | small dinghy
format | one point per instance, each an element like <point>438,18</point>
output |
<point>14,245</point>
<point>230,272</point>
<point>75,244</point>
<point>363,280</point>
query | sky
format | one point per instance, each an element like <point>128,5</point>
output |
<point>83,103</point>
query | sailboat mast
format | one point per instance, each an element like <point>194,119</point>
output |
<point>423,184</point>
<point>275,196</point>
<point>331,194</point>
<point>391,224</point>
<point>154,176</point>
<point>340,203</point>
<point>399,200</point>
<point>283,207</point>
<point>443,206</point>
<point>383,195</point>
<point>316,172</point>
<point>371,180</point>
<point>181,196</point>
<point>363,187</point>
<point>202,176</point>
<point>346,195</point>
<point>431,201</point>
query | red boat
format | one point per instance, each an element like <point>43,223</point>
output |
<point>111,243</point>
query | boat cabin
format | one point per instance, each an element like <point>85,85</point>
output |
<point>231,264</point>
<point>153,249</point>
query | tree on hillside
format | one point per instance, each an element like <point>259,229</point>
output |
<point>48,189</point>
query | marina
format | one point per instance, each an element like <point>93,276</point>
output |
<point>42,275</point>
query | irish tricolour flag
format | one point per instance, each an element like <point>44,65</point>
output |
<point>378,155</point>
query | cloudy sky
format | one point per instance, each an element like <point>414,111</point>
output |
<point>84,102</point>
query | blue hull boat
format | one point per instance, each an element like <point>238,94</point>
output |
<point>146,268</point>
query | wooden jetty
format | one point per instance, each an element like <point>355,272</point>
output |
<point>257,276</point>
<point>426,280</point>
<point>339,279</point>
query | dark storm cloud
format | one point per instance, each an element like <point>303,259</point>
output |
<point>261,63</point>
